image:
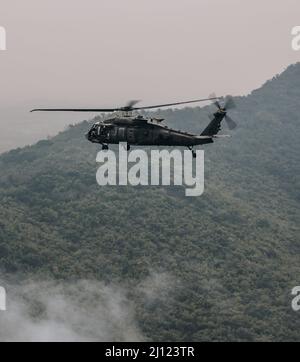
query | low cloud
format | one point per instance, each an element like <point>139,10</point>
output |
<point>158,287</point>
<point>82,311</point>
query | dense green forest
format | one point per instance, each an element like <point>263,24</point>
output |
<point>232,255</point>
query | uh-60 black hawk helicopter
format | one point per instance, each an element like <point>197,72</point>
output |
<point>138,130</point>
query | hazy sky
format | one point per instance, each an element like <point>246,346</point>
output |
<point>105,52</point>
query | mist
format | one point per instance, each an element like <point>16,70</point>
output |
<point>83,311</point>
<point>78,312</point>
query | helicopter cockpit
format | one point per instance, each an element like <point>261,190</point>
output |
<point>98,131</point>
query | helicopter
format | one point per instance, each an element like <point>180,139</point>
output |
<point>137,130</point>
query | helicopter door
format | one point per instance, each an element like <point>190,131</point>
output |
<point>131,135</point>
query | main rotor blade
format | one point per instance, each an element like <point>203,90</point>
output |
<point>175,104</point>
<point>76,110</point>
<point>129,107</point>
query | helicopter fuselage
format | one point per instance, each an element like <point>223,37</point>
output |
<point>141,131</point>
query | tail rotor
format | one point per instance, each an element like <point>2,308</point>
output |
<point>228,105</point>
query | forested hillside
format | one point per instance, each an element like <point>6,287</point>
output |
<point>228,259</point>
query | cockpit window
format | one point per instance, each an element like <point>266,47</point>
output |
<point>103,130</point>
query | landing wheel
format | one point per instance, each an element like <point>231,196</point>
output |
<point>193,151</point>
<point>104,147</point>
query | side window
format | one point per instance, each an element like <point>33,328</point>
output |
<point>114,131</point>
